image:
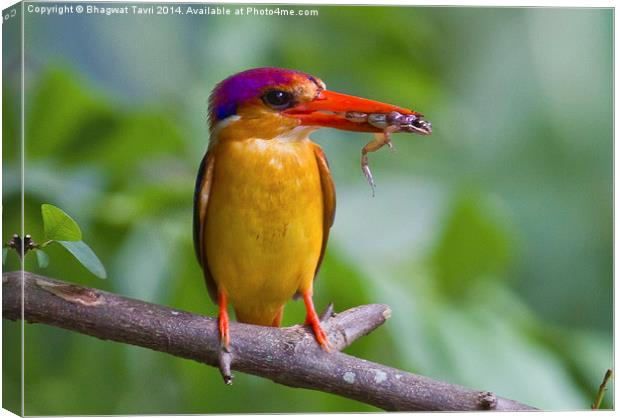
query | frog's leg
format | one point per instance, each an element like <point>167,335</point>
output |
<point>380,139</point>
<point>387,136</point>
<point>372,146</point>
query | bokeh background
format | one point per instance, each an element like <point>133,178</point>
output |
<point>491,240</point>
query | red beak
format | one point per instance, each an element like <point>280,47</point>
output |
<point>341,111</point>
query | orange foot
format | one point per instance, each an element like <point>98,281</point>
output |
<point>225,356</point>
<point>223,322</point>
<point>312,319</point>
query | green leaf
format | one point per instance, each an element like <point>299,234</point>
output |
<point>5,252</point>
<point>42,259</point>
<point>86,256</point>
<point>58,225</point>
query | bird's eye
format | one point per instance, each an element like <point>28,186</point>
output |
<point>278,99</point>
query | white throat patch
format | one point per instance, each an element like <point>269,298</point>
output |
<point>224,123</point>
<point>296,134</point>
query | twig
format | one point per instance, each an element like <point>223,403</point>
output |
<point>20,246</point>
<point>601,390</point>
<point>289,356</point>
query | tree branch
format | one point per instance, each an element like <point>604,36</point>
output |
<point>289,356</point>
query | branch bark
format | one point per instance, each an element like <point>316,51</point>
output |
<point>288,356</point>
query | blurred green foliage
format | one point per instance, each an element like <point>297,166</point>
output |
<point>460,260</point>
<point>491,240</point>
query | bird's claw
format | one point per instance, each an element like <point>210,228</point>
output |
<point>321,337</point>
<point>225,355</point>
<point>225,360</point>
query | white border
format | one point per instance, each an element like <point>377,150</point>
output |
<point>479,3</point>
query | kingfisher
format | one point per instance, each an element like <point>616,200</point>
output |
<point>265,200</point>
